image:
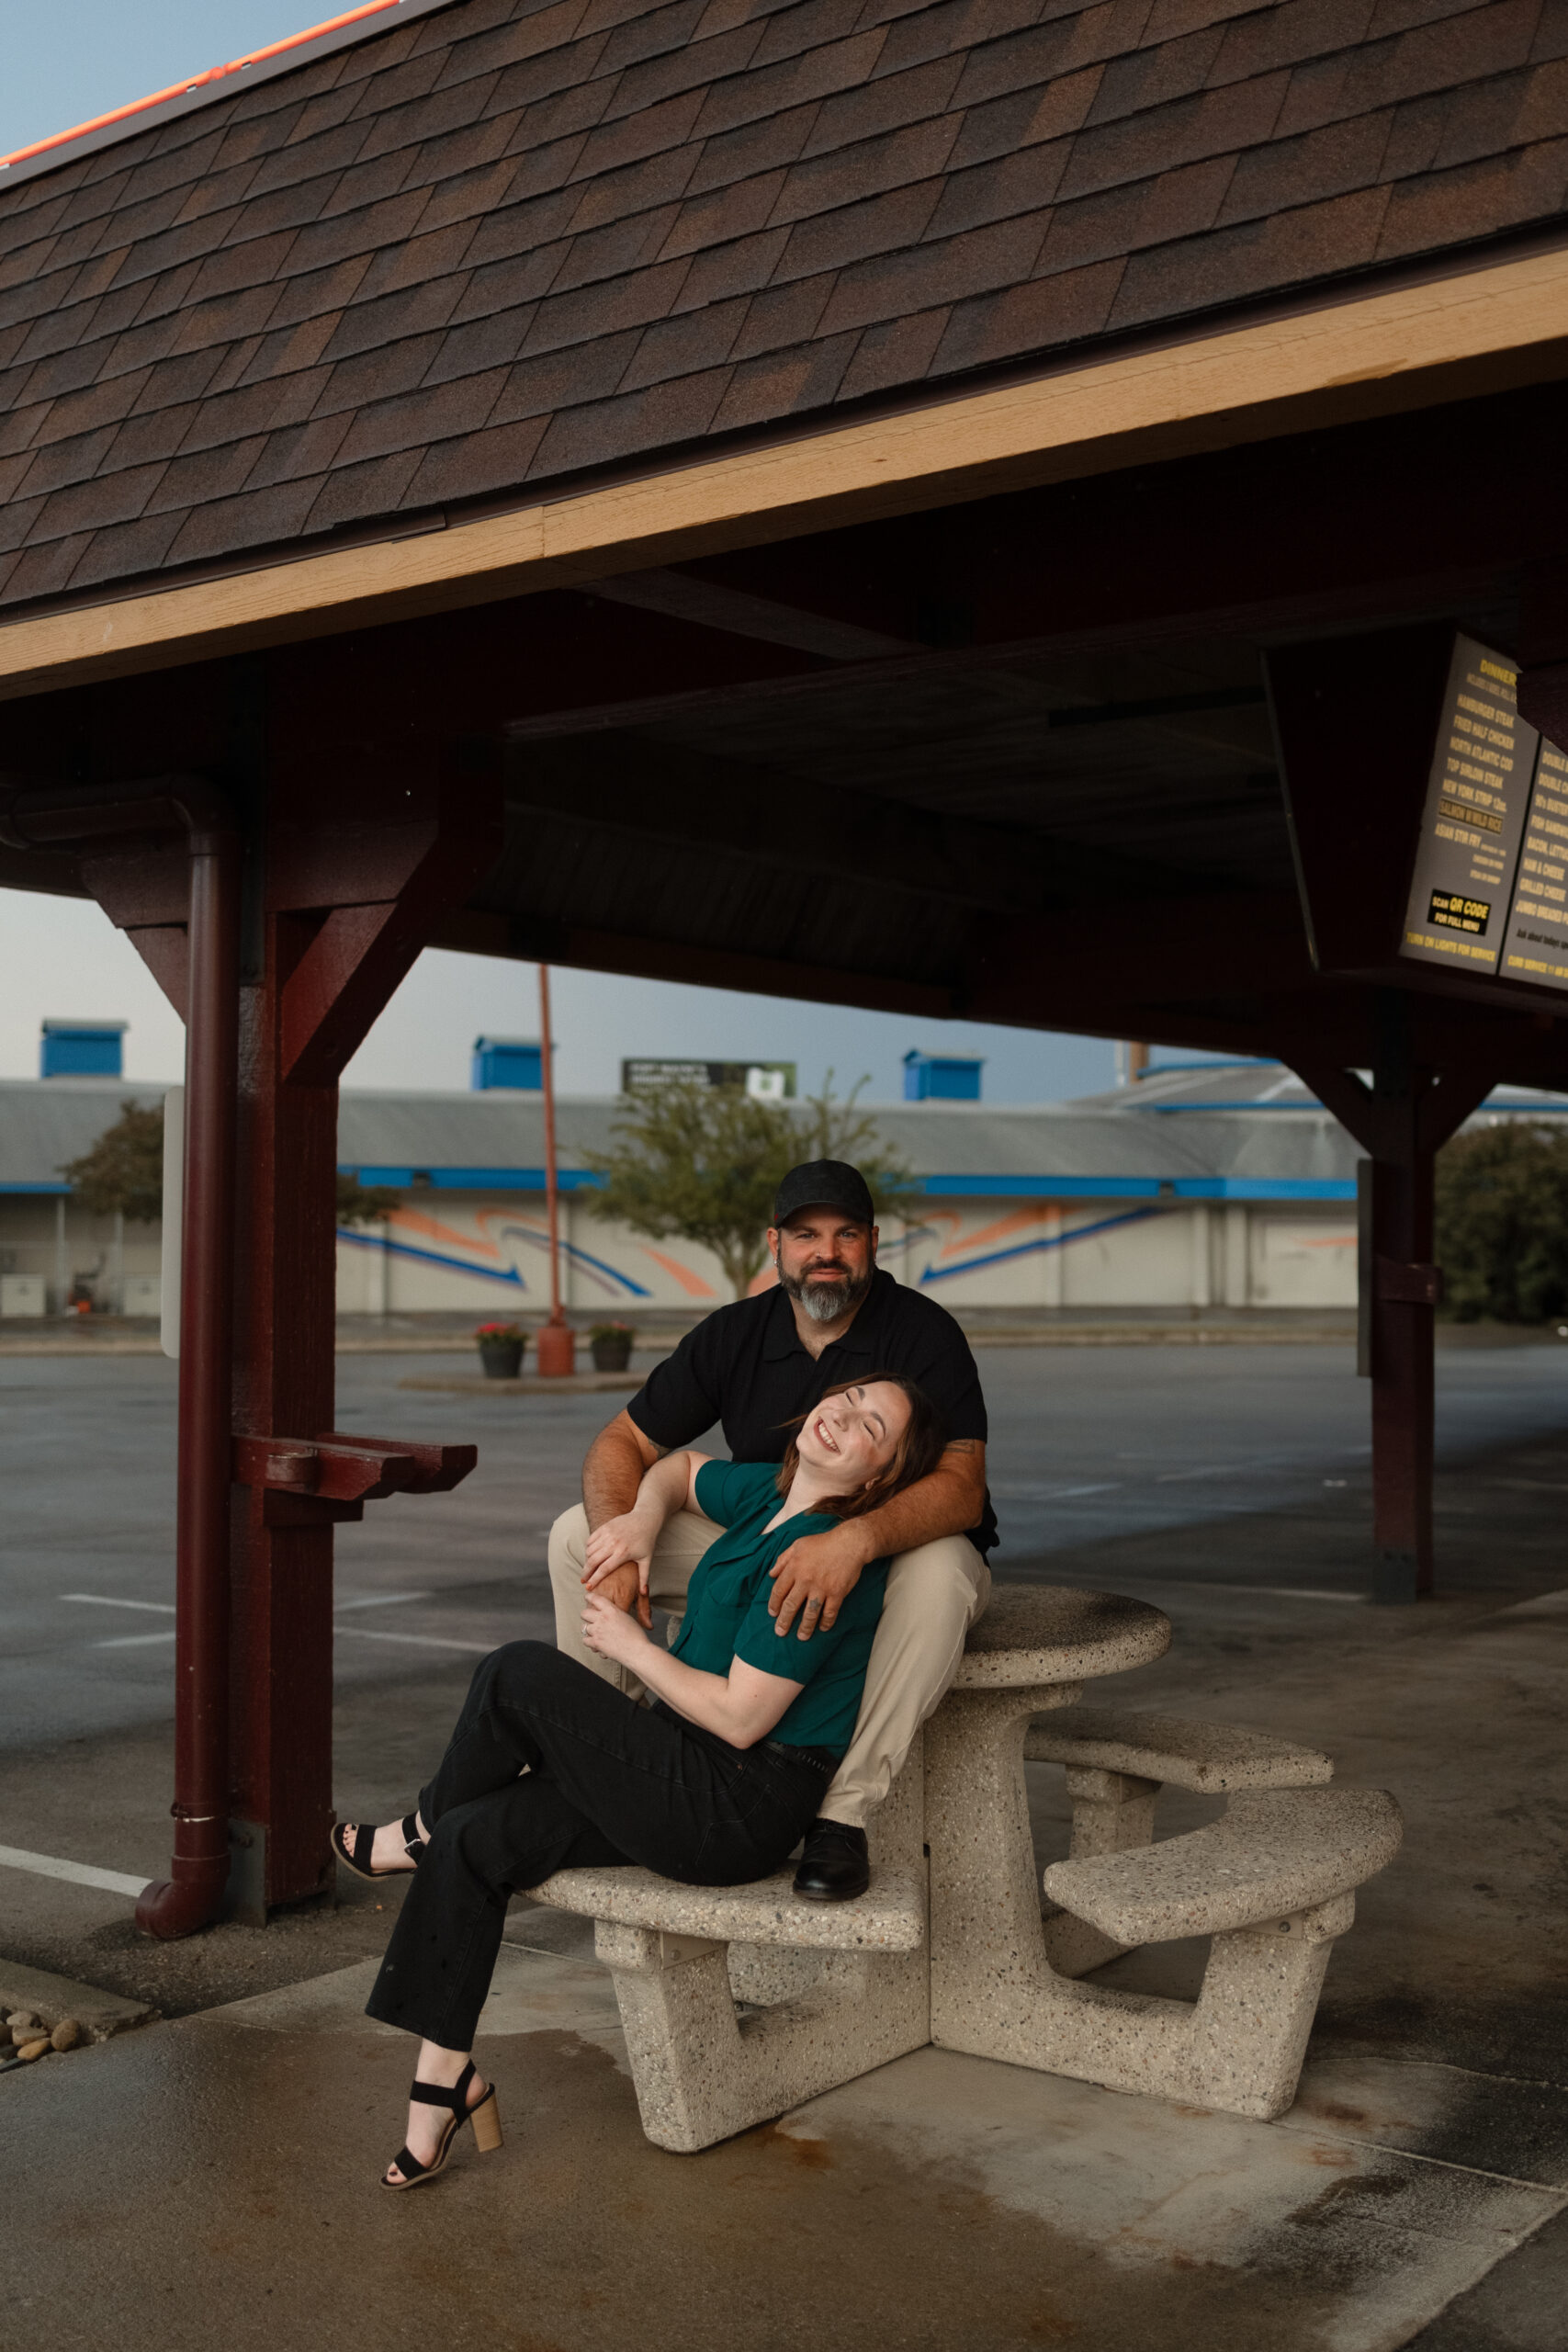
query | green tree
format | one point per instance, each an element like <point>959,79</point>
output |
<point>124,1170</point>
<point>1502,1223</point>
<point>703,1163</point>
<point>835,1130</point>
<point>360,1203</point>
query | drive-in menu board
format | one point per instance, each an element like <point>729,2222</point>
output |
<point>1474,821</point>
<point>1536,942</point>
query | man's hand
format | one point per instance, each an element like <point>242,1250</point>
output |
<point>618,1560</point>
<point>609,1627</point>
<point>816,1576</point>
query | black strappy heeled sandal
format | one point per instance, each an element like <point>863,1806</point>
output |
<point>485,2117</point>
<point>357,1855</point>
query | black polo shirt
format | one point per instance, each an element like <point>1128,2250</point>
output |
<point>744,1367</point>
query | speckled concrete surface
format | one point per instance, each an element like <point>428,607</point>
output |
<point>1277,1850</point>
<point>1212,1758</point>
<point>834,1989</point>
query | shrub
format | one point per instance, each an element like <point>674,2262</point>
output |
<point>1502,1223</point>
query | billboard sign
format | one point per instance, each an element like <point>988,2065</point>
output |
<point>1473,827</point>
<point>765,1081</point>
<point>1535,946</point>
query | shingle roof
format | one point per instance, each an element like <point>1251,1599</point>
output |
<point>512,239</point>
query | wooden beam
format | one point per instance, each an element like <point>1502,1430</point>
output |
<point>1175,950</point>
<point>479,931</point>
<point>809,686</point>
<point>708,604</point>
<point>1374,352</point>
<point>667,793</point>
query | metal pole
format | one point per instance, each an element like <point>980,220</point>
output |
<point>556,1341</point>
<point>198,1874</point>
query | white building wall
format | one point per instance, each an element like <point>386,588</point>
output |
<point>460,1252</point>
<point>451,1252</point>
<point>118,1262</point>
<point>1296,1259</point>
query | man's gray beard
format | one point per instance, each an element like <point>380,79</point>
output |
<point>824,1302</point>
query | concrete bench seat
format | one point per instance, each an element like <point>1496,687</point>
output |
<point>1271,1882</point>
<point>890,1918</point>
<point>1117,1764</point>
<point>1212,1758</point>
<point>1275,1852</point>
<point>739,2002</point>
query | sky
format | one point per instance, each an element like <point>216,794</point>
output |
<point>68,61</point>
<point>61,959</point>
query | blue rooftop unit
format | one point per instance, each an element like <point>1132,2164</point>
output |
<point>513,1062</point>
<point>82,1049</point>
<point>942,1077</point>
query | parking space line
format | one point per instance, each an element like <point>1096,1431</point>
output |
<point>133,1641</point>
<point>379,1600</point>
<point>104,1600</point>
<point>14,1858</point>
<point>420,1641</point>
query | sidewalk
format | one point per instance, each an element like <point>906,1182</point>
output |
<point>1414,2195</point>
<point>227,2164</point>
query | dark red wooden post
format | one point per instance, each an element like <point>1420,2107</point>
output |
<point>347,900</point>
<point>281,1545</point>
<point>1402,1315</point>
<point>556,1341</point>
<point>162,857</point>
<point>1403,1119</point>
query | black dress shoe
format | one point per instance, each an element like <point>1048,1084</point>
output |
<point>836,1865</point>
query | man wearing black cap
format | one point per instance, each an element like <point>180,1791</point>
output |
<point>755,1367</point>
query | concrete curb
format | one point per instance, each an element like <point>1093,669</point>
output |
<point>100,2015</point>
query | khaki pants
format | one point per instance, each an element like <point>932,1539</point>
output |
<point>934,1595</point>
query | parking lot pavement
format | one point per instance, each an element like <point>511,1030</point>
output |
<point>1140,1449</point>
<point>1230,1487</point>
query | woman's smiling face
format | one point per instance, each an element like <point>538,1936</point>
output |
<point>847,1438</point>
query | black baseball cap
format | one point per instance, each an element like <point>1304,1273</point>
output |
<point>824,1184</point>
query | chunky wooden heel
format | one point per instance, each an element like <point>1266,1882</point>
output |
<point>485,2117</point>
<point>486,2121</point>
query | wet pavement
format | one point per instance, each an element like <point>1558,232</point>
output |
<point>1090,1447</point>
<point>224,2161</point>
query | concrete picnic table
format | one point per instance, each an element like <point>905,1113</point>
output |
<point>738,2003</point>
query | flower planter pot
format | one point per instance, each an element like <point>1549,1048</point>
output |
<point>612,1355</point>
<point>501,1359</point>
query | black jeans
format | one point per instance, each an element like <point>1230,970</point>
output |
<point>606,1780</point>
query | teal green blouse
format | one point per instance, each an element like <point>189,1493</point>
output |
<point>727,1607</point>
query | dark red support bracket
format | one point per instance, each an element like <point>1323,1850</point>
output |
<point>342,1473</point>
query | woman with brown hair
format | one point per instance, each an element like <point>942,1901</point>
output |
<point>714,1783</point>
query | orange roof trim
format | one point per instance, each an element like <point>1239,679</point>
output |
<point>198,81</point>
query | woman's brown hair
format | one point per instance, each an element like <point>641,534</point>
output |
<point>915,1456</point>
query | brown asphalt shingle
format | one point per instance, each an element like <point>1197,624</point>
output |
<point>511,240</point>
